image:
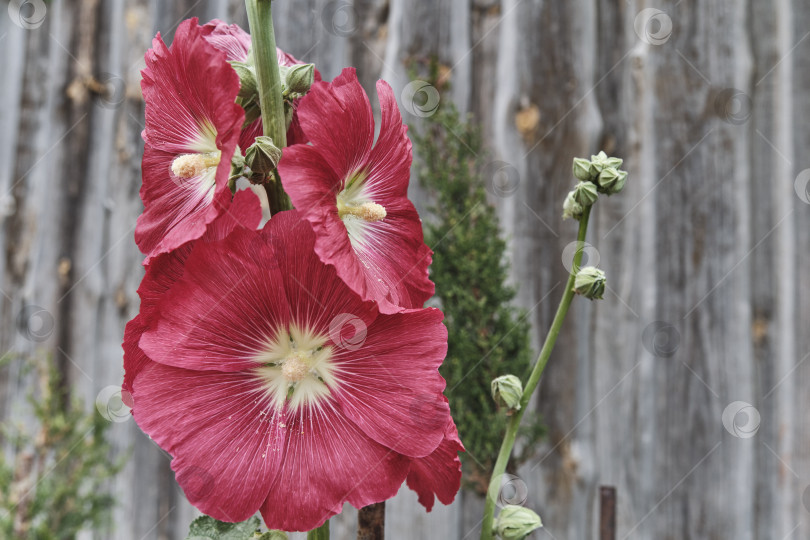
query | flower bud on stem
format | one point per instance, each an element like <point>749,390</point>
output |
<point>268,80</point>
<point>516,523</point>
<point>514,421</point>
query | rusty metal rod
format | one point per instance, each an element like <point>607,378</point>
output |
<point>371,522</point>
<point>607,513</point>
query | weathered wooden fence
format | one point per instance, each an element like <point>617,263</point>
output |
<point>706,250</point>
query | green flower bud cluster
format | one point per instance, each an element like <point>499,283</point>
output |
<point>296,81</point>
<point>515,523</point>
<point>600,174</point>
<point>590,283</point>
<point>507,391</point>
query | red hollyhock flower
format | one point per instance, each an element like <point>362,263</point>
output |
<point>235,42</point>
<point>166,268</point>
<point>192,128</point>
<point>355,193</point>
<point>277,388</point>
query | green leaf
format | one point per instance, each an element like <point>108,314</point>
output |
<point>208,528</point>
<point>273,535</point>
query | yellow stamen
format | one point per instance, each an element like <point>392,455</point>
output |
<point>191,165</point>
<point>368,211</point>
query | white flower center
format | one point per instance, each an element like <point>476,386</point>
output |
<point>296,367</point>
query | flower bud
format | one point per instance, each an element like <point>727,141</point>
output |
<point>571,208</point>
<point>608,178</point>
<point>248,87</point>
<point>585,193</point>
<point>598,162</point>
<point>263,156</point>
<point>515,523</point>
<point>590,283</point>
<point>582,170</point>
<point>237,169</point>
<point>299,79</point>
<point>507,391</point>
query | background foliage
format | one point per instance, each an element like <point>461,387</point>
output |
<point>57,483</point>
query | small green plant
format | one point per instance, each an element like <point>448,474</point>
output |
<point>488,336</point>
<point>55,485</point>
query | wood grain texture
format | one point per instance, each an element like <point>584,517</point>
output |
<point>706,250</point>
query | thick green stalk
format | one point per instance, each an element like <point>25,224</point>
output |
<point>542,359</point>
<point>321,533</point>
<point>268,78</point>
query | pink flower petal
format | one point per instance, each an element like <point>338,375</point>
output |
<point>390,384</point>
<point>227,442</point>
<point>329,461</point>
<point>338,120</point>
<point>439,473</point>
<point>228,38</point>
<point>219,315</point>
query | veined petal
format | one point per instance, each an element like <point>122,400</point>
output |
<point>315,292</point>
<point>389,165</point>
<point>391,387</point>
<point>226,440</point>
<point>286,358</point>
<point>337,119</point>
<point>329,461</point>
<point>219,315</point>
<point>228,38</point>
<point>134,358</point>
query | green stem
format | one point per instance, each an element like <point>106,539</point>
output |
<point>321,533</point>
<point>268,78</point>
<point>528,389</point>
